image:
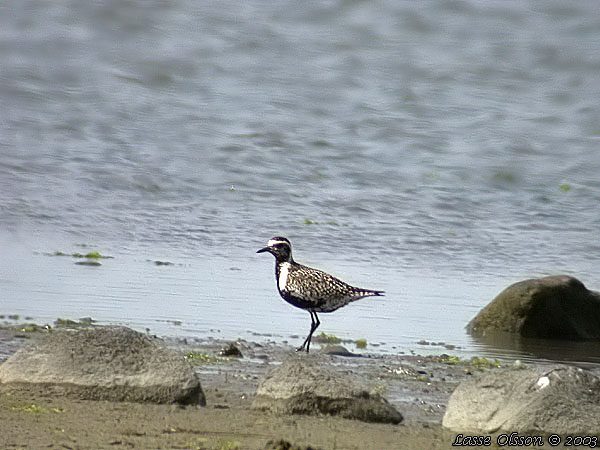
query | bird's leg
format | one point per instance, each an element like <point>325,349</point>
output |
<point>313,326</point>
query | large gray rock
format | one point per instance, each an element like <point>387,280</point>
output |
<point>556,307</point>
<point>307,384</point>
<point>562,400</point>
<point>105,363</point>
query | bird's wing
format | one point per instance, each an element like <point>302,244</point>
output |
<point>314,286</point>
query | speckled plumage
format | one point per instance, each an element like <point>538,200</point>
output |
<point>314,289</point>
<point>308,288</point>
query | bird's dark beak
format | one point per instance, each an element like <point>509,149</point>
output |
<point>266,249</point>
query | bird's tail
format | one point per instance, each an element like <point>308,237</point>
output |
<point>371,293</point>
<point>378,293</point>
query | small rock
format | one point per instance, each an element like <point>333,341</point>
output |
<point>338,350</point>
<point>87,320</point>
<point>231,350</point>
<point>90,262</point>
<point>285,445</point>
<point>404,372</point>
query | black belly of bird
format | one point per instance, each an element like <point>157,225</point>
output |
<point>317,304</point>
<point>296,301</point>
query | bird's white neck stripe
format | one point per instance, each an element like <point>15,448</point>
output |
<point>284,270</point>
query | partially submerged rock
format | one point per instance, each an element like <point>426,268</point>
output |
<point>105,363</point>
<point>307,384</point>
<point>562,400</point>
<point>556,307</point>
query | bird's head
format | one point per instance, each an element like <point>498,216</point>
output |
<point>280,248</point>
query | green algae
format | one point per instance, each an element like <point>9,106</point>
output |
<point>361,343</point>
<point>32,328</point>
<point>89,255</point>
<point>68,323</point>
<point>325,338</point>
<point>163,263</point>
<point>33,408</point>
<point>477,362</point>
<point>229,445</point>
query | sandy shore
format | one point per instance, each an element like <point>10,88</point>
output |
<point>418,386</point>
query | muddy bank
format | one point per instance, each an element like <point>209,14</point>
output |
<point>417,386</point>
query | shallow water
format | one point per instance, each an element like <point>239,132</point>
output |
<point>437,150</point>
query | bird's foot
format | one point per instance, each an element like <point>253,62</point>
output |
<point>303,347</point>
